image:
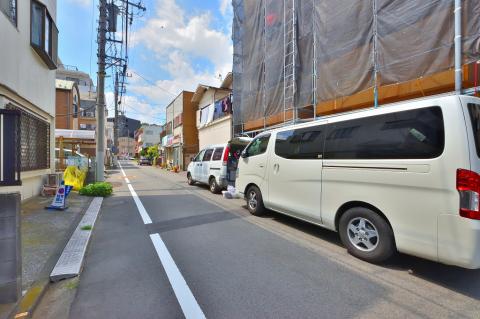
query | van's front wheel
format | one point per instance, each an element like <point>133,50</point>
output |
<point>367,235</point>
<point>255,201</point>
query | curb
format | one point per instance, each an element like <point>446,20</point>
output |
<point>71,261</point>
<point>31,299</point>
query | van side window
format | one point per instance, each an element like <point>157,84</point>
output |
<point>217,155</point>
<point>413,134</point>
<point>304,143</point>
<point>208,155</point>
<point>258,145</point>
<point>474,111</point>
<point>199,156</point>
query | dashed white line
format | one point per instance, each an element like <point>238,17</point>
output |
<point>143,212</point>
<point>190,307</point>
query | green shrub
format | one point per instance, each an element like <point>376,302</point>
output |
<point>102,189</point>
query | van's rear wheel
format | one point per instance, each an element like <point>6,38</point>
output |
<point>367,235</point>
<point>214,188</point>
<point>255,201</point>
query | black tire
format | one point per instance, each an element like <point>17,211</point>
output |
<point>190,180</point>
<point>372,240</point>
<point>255,201</point>
<point>214,188</point>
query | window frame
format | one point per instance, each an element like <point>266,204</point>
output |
<point>327,152</point>
<point>218,150</point>
<point>255,139</point>
<point>48,55</point>
<point>210,157</point>
<point>301,155</point>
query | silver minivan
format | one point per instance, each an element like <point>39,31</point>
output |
<point>216,165</point>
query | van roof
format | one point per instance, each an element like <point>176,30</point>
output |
<point>365,111</point>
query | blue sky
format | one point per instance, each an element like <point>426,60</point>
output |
<point>175,45</point>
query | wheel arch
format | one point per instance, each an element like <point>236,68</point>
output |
<point>346,206</point>
<point>248,186</point>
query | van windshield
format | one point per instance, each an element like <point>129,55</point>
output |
<point>474,111</point>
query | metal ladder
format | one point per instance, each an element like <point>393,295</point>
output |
<point>290,51</point>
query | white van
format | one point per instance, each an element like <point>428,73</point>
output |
<point>216,165</point>
<point>401,177</point>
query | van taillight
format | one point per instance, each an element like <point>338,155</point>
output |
<point>468,186</point>
<point>225,155</point>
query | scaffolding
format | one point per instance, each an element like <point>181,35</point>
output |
<point>296,60</point>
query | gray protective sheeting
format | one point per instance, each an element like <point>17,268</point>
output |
<point>339,45</point>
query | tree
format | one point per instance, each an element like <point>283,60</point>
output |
<point>152,152</point>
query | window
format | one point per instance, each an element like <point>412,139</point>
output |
<point>34,142</point>
<point>258,146</point>
<point>43,34</point>
<point>9,7</point>
<point>208,155</point>
<point>415,134</point>
<point>199,156</point>
<point>217,155</point>
<point>474,110</point>
<point>305,143</point>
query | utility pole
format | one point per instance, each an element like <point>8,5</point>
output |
<point>115,121</point>
<point>100,149</point>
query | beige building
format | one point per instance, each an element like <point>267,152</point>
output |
<point>214,113</point>
<point>126,146</point>
<point>28,60</point>
<point>181,140</point>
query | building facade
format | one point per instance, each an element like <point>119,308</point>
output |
<point>181,140</point>
<point>28,60</point>
<point>126,126</point>
<point>126,146</point>
<point>214,113</point>
<point>147,135</point>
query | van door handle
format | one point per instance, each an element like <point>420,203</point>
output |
<point>276,168</point>
<point>261,165</point>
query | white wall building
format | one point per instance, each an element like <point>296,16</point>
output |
<point>149,136</point>
<point>214,117</point>
<point>28,60</point>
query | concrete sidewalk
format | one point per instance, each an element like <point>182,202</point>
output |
<point>44,235</point>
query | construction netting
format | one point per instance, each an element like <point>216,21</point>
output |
<point>297,54</point>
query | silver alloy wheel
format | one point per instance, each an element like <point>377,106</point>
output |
<point>252,200</point>
<point>363,234</point>
<point>212,185</point>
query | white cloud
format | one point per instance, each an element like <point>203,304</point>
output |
<point>135,108</point>
<point>83,3</point>
<point>225,5</point>
<point>177,38</point>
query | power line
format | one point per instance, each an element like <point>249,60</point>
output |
<point>154,84</point>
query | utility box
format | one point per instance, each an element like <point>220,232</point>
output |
<point>10,248</point>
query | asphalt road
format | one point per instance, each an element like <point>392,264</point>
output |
<point>219,262</point>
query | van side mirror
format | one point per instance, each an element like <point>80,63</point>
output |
<point>244,154</point>
<point>192,159</point>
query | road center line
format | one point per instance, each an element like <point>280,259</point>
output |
<point>188,303</point>
<point>143,212</point>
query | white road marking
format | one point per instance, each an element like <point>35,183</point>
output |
<point>143,212</point>
<point>190,307</point>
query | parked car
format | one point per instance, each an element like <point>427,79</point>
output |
<point>144,161</point>
<point>403,177</point>
<point>216,165</point>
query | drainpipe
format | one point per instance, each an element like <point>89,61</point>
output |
<point>458,46</point>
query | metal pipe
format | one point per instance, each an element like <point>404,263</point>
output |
<point>458,46</point>
<point>375,65</point>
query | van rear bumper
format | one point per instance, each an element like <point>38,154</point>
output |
<point>459,241</point>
